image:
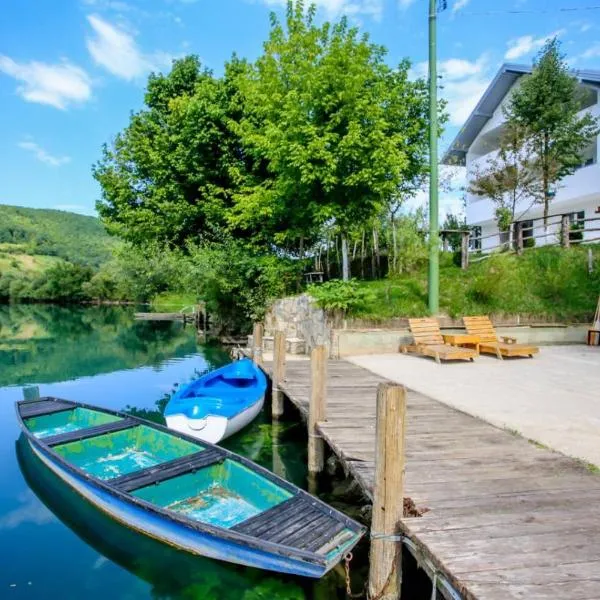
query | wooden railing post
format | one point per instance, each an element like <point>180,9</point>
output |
<point>385,574</point>
<point>316,409</point>
<point>565,227</point>
<point>257,343</point>
<point>519,237</point>
<point>278,374</point>
<point>464,250</point>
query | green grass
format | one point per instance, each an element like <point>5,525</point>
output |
<point>551,283</point>
<point>19,263</point>
<point>173,302</point>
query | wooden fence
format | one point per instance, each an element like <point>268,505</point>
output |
<point>556,230</point>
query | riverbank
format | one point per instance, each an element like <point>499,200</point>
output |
<point>546,284</point>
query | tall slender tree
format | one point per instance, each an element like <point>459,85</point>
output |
<point>509,178</point>
<point>547,105</point>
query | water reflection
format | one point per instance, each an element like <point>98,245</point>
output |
<point>41,343</point>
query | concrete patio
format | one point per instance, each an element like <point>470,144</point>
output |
<point>553,398</point>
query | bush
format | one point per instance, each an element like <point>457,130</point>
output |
<point>340,296</point>
<point>236,282</point>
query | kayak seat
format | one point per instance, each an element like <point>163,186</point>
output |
<point>200,407</point>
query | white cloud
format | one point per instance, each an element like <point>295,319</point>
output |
<point>57,85</point>
<point>117,51</point>
<point>452,182</point>
<point>526,44</point>
<point>353,8</point>
<point>459,4</point>
<point>592,52</point>
<point>463,83</point>
<point>404,4</point>
<point>42,155</point>
<point>30,510</point>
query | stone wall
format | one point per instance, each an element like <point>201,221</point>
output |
<point>301,319</point>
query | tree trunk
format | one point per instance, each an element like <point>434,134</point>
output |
<point>345,258</point>
<point>546,183</point>
<point>327,257</point>
<point>376,251</point>
<point>301,248</point>
<point>362,256</point>
<point>338,255</point>
<point>394,246</point>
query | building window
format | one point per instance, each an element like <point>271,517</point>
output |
<point>577,218</point>
<point>528,233</point>
<point>475,238</point>
<point>576,225</point>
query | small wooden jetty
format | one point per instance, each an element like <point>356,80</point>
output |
<point>190,314</point>
<point>505,519</point>
<point>164,317</point>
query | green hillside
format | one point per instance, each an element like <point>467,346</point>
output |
<point>33,239</point>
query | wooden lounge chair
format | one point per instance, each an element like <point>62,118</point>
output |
<point>428,341</point>
<point>489,342</point>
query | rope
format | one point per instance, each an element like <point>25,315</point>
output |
<point>387,537</point>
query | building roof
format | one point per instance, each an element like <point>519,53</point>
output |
<point>489,102</point>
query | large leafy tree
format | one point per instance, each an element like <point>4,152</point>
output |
<point>341,130</point>
<point>171,174</point>
<point>547,104</point>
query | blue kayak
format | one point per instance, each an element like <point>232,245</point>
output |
<point>218,404</point>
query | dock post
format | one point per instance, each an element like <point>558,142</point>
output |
<point>316,409</point>
<point>278,374</point>
<point>385,574</point>
<point>257,343</point>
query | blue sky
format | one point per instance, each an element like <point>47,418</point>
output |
<point>71,71</point>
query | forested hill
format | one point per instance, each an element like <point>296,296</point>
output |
<point>72,237</point>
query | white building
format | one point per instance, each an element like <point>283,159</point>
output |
<point>577,196</point>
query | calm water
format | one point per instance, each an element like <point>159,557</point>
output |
<point>53,545</point>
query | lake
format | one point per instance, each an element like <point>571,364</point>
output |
<point>53,544</point>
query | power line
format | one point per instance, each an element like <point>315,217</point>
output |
<point>527,12</point>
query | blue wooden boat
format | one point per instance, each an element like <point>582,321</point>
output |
<point>218,404</point>
<point>193,496</point>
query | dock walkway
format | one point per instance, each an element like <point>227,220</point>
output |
<point>506,519</point>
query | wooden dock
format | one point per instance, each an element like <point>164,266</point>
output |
<point>506,519</point>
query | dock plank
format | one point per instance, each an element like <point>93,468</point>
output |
<point>506,519</point>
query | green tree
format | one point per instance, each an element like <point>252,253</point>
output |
<point>509,178</point>
<point>170,175</point>
<point>547,106</point>
<point>341,130</point>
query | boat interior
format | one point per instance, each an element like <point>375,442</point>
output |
<point>201,483</point>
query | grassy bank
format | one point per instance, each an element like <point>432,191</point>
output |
<point>550,283</point>
<point>173,301</point>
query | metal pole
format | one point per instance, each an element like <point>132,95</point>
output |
<point>434,265</point>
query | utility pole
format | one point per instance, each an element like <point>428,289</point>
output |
<point>434,259</point>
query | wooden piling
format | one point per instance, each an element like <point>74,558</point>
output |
<point>257,343</point>
<point>385,574</point>
<point>565,231</point>
<point>316,409</point>
<point>464,250</point>
<point>518,235</point>
<point>278,374</point>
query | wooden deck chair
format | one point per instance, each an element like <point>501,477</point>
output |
<point>489,342</point>
<point>428,341</point>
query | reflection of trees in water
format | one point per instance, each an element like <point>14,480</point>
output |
<point>44,343</point>
<point>171,573</point>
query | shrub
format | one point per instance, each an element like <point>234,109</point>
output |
<point>340,296</point>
